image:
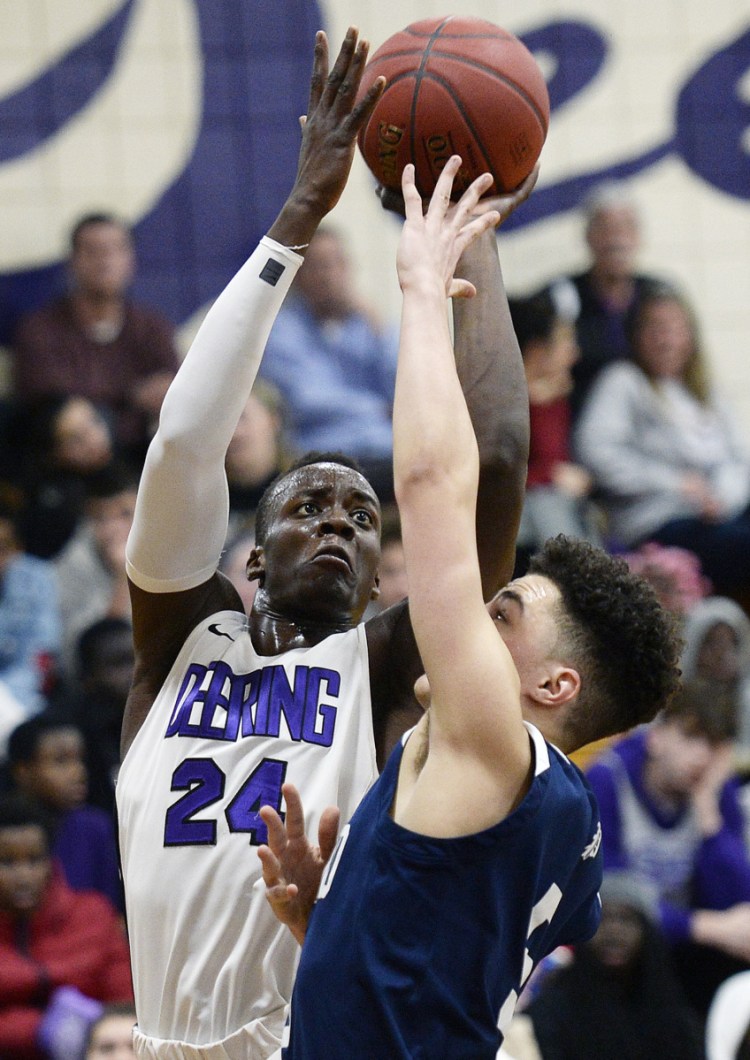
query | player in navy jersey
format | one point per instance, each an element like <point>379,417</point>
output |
<point>477,850</point>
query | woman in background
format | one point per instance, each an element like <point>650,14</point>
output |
<point>663,448</point>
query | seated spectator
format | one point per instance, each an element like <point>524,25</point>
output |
<point>665,451</point>
<point>618,999</point>
<point>61,951</point>
<point>46,760</point>
<point>557,489</point>
<point>668,800</point>
<point>257,453</point>
<point>97,343</point>
<point>602,295</point>
<point>334,367</point>
<point>110,1036</point>
<point>728,1023</point>
<point>30,634</point>
<point>105,660</point>
<point>717,651</point>
<point>63,441</point>
<point>91,568</point>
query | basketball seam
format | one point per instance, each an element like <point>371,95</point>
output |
<point>420,73</point>
<point>479,35</point>
<point>430,74</point>
<point>418,84</point>
<point>458,103</point>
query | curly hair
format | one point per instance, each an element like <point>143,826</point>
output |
<point>264,512</point>
<point>622,641</point>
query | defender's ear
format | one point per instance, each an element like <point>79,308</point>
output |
<point>375,591</point>
<point>255,568</point>
<point>559,686</point>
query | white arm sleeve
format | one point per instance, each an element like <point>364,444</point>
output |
<point>182,510</point>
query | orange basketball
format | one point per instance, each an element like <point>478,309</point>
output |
<point>461,86</point>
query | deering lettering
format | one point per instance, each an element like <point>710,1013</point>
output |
<point>215,703</point>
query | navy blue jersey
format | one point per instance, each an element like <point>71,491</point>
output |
<point>418,947</point>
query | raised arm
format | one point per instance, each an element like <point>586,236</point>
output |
<point>181,516</point>
<point>492,378</point>
<point>475,706</point>
<point>490,371</point>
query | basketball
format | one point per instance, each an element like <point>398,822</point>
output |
<point>461,86</point>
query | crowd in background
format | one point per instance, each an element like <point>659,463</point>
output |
<point>631,448</point>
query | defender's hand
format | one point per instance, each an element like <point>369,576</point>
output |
<point>292,867</point>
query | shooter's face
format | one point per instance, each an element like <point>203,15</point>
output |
<point>322,549</point>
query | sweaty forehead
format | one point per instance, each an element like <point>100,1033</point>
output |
<point>326,479</point>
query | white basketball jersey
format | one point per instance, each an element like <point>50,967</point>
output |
<point>227,729</point>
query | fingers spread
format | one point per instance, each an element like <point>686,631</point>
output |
<point>441,196</point>
<point>295,815</point>
<point>328,830</point>
<point>277,837</point>
<point>271,866</point>
<point>320,70</point>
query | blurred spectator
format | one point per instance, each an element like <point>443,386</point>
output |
<point>557,489</point>
<point>105,660</point>
<point>96,342</point>
<point>675,575</point>
<point>30,634</point>
<point>717,650</point>
<point>111,1035</point>
<point>668,799</point>
<point>233,563</point>
<point>333,365</point>
<point>664,449</point>
<point>61,951</point>
<point>618,999</point>
<point>602,295</point>
<point>257,453</point>
<point>728,1024</point>
<point>91,568</point>
<point>46,758</point>
<point>63,441</point>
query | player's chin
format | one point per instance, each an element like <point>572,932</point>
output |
<point>332,602</point>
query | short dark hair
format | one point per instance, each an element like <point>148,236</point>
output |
<point>19,811</point>
<point>24,740</point>
<point>263,514</point>
<point>533,318</point>
<point>101,217</point>
<point>623,642</point>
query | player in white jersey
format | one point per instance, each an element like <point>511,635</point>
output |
<point>225,707</point>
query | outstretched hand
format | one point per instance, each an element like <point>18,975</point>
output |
<point>392,200</point>
<point>431,243</point>
<point>292,866</point>
<point>334,117</point>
